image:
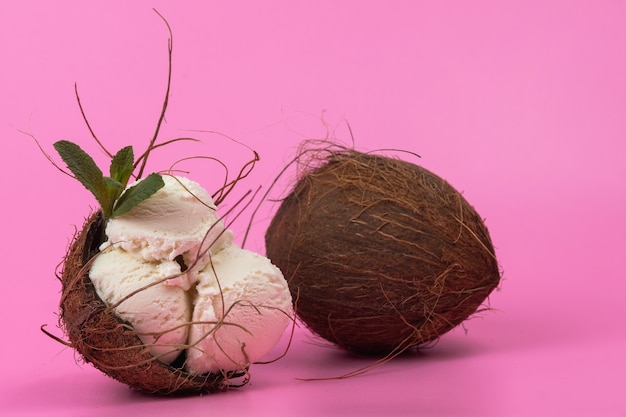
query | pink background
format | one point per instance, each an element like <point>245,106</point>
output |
<point>521,105</point>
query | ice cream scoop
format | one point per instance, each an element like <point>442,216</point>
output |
<point>241,309</point>
<point>180,219</point>
<point>137,290</point>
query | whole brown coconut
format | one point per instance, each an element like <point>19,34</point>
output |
<point>380,254</point>
<point>109,343</point>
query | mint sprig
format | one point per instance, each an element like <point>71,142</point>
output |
<point>110,192</point>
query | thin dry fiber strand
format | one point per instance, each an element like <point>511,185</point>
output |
<point>108,342</point>
<point>382,254</point>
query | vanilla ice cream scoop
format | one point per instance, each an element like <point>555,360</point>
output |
<point>241,309</point>
<point>158,312</point>
<point>179,219</point>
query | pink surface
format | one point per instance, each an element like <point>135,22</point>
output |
<point>521,105</point>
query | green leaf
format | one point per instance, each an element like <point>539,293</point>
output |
<point>114,189</point>
<point>122,165</point>
<point>85,170</point>
<point>138,193</point>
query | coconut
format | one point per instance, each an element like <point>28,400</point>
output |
<point>109,343</point>
<point>381,255</point>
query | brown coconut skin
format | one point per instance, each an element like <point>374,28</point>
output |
<point>381,255</point>
<point>108,342</point>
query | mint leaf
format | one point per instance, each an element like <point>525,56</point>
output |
<point>138,193</point>
<point>85,170</point>
<point>122,165</point>
<point>114,190</point>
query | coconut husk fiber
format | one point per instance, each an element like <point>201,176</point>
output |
<point>381,255</point>
<point>109,343</point>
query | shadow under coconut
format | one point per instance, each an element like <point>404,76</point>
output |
<point>326,361</point>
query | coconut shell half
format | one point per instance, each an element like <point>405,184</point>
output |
<point>381,254</point>
<point>109,343</point>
